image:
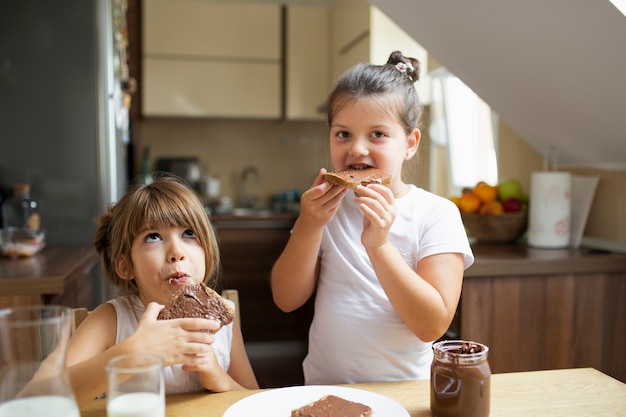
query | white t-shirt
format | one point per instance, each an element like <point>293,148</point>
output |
<point>130,309</point>
<point>356,335</point>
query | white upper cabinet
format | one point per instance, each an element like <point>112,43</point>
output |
<point>207,58</point>
<point>350,26</point>
<point>362,33</point>
<point>211,59</point>
<point>307,72</point>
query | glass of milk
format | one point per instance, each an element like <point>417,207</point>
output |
<point>135,386</point>
<point>33,377</point>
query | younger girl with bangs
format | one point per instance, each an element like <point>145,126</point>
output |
<point>154,240</point>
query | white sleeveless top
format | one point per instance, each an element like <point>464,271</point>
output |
<point>129,310</point>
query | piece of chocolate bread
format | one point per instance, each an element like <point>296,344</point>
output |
<point>197,301</point>
<point>350,178</point>
<point>333,406</point>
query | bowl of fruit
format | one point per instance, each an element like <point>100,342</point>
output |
<point>494,213</point>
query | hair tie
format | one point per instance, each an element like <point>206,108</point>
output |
<point>404,67</point>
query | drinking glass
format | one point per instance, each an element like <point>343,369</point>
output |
<point>135,386</point>
<point>33,377</point>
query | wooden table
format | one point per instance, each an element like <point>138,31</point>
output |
<point>555,393</point>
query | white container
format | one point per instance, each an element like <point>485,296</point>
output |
<point>549,209</point>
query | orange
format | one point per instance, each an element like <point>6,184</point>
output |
<point>492,207</point>
<point>485,192</point>
<point>470,203</point>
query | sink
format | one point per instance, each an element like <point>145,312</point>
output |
<point>252,218</point>
<point>250,212</point>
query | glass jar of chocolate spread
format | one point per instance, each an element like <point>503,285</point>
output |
<point>460,379</point>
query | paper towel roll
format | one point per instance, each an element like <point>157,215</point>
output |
<point>550,209</point>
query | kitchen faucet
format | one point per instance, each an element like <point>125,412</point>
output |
<point>247,200</point>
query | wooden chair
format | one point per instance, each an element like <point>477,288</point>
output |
<point>233,295</point>
<point>79,314</point>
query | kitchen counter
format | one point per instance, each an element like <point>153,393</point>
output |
<point>567,392</point>
<point>54,275</point>
<point>520,259</point>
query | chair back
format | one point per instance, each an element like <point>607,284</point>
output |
<point>233,295</point>
<point>78,315</point>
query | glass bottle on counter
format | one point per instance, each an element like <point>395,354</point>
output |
<point>20,210</point>
<point>460,379</point>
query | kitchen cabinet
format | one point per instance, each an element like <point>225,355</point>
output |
<point>251,60</point>
<point>307,72</point>
<point>350,42</point>
<point>546,308</point>
<point>276,342</point>
<point>212,59</point>
<point>370,37</point>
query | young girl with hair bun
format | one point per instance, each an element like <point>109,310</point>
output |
<point>385,263</point>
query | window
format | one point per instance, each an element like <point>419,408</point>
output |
<point>464,130</point>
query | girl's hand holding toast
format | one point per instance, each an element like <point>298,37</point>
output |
<point>377,203</point>
<point>177,341</point>
<point>320,202</point>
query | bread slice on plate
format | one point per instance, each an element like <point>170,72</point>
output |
<point>351,178</point>
<point>333,406</point>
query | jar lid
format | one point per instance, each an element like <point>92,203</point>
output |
<point>460,352</point>
<point>20,188</point>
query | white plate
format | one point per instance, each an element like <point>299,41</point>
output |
<point>280,401</point>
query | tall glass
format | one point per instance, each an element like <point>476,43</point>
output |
<point>135,386</point>
<point>33,377</point>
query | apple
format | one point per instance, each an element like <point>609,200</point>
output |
<point>509,188</point>
<point>512,205</point>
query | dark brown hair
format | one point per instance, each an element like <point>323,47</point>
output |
<point>392,82</point>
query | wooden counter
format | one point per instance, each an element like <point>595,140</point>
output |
<point>547,308</point>
<point>562,393</point>
<point>56,275</point>
<point>506,260</point>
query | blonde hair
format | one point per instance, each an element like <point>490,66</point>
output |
<point>167,201</point>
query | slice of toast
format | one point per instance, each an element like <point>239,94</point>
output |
<point>333,406</point>
<point>197,301</point>
<point>351,178</point>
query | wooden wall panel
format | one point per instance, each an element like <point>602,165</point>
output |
<point>560,299</point>
<point>477,299</point>
<point>588,321</point>
<point>506,336</point>
<point>532,325</point>
<point>614,349</point>
<point>548,321</point>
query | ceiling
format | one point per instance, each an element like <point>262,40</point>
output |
<point>555,70</point>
